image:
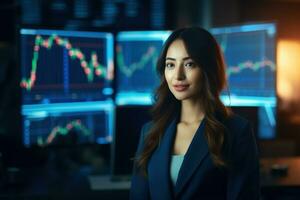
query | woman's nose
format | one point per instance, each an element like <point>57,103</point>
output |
<point>180,73</point>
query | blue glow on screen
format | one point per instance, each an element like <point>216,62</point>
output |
<point>42,124</point>
<point>249,52</point>
<point>65,66</point>
<point>267,122</point>
<point>67,87</point>
<point>249,102</point>
<point>137,54</point>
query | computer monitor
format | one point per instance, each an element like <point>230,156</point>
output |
<point>136,57</point>
<point>68,123</point>
<point>65,66</point>
<point>250,55</point>
<point>67,87</point>
<point>249,51</point>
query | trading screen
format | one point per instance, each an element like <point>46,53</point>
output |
<point>68,124</point>
<point>64,66</point>
<point>249,52</point>
<point>136,55</point>
<point>67,79</point>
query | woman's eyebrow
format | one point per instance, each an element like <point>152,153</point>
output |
<point>168,58</point>
<point>185,58</point>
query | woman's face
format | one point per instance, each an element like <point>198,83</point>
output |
<point>181,72</point>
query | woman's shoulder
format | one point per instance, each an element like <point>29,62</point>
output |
<point>237,124</point>
<point>236,120</point>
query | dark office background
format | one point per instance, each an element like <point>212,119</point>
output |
<point>119,15</point>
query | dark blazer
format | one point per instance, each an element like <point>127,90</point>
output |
<point>198,177</point>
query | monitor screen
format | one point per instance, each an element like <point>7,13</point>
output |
<point>68,123</point>
<point>250,55</point>
<point>65,66</point>
<point>267,122</point>
<point>67,87</point>
<point>136,56</point>
<point>249,52</point>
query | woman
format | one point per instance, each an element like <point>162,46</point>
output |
<point>194,148</point>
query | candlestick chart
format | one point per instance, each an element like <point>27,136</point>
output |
<point>68,125</point>
<point>60,66</point>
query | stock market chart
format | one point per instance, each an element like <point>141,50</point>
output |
<point>136,56</point>
<point>64,66</point>
<point>249,52</point>
<point>68,124</point>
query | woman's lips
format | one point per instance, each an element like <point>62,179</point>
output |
<point>181,87</point>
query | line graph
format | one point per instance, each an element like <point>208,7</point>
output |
<point>255,66</point>
<point>137,53</point>
<point>64,130</point>
<point>91,68</point>
<point>149,57</point>
<point>68,123</point>
<point>250,57</point>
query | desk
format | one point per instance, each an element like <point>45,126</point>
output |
<point>273,187</point>
<point>280,185</point>
<point>105,183</point>
<point>292,178</point>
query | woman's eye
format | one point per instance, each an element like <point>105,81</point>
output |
<point>169,65</point>
<point>189,64</point>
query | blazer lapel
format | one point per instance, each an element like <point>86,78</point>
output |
<point>196,152</point>
<point>159,166</point>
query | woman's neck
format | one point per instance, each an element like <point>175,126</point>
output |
<point>191,111</point>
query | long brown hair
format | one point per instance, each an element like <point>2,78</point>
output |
<point>204,50</point>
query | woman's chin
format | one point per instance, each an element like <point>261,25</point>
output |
<point>181,97</point>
